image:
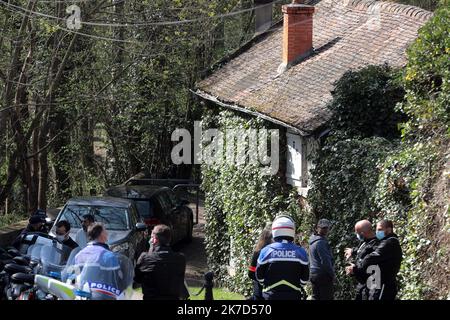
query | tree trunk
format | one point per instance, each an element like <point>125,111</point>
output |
<point>8,99</point>
<point>43,165</point>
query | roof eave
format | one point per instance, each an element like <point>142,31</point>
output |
<point>204,95</point>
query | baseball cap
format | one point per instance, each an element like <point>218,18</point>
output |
<point>36,219</point>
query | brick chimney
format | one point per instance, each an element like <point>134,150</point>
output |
<point>297,32</point>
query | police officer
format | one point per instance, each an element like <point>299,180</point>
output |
<point>388,257</point>
<point>282,266</point>
<point>369,243</point>
<point>97,249</point>
<point>98,255</point>
<point>161,270</point>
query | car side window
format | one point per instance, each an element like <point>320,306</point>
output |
<point>157,210</point>
<point>165,202</point>
<point>134,215</point>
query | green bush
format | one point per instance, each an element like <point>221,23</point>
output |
<point>427,79</point>
<point>404,192</point>
<point>408,189</point>
<point>10,218</point>
<point>344,180</point>
<point>363,103</point>
<point>364,128</point>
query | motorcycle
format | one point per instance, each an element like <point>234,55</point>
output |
<point>47,281</point>
<point>45,257</point>
<point>34,238</point>
<point>16,274</point>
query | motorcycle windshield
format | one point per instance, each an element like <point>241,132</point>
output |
<point>101,275</point>
<point>31,241</point>
<point>52,257</point>
<point>34,252</point>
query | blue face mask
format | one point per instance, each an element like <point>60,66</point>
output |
<point>380,235</point>
<point>360,238</point>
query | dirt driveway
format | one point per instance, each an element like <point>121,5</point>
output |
<point>194,252</point>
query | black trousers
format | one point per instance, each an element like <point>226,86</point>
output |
<point>388,291</point>
<point>322,287</point>
<point>362,292</point>
<point>257,291</point>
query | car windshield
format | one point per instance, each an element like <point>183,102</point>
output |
<point>112,217</point>
<point>145,208</point>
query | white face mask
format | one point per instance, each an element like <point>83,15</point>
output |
<point>61,238</point>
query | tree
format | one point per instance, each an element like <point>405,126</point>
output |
<point>123,78</point>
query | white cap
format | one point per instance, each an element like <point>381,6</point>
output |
<point>283,227</point>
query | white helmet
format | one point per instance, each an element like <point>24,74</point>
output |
<point>283,226</point>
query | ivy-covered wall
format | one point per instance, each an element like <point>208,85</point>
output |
<point>239,201</point>
<point>344,181</point>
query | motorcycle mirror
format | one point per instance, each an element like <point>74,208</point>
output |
<point>141,226</point>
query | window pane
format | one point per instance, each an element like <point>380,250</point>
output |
<point>113,218</point>
<point>145,208</point>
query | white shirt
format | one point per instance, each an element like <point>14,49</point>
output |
<point>81,238</point>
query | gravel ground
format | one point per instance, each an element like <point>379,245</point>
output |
<point>194,252</point>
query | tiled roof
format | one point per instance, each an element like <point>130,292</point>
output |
<point>347,34</point>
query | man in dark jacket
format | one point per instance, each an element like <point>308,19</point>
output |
<point>387,257</point>
<point>161,270</point>
<point>283,267</point>
<point>321,263</point>
<point>369,243</point>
